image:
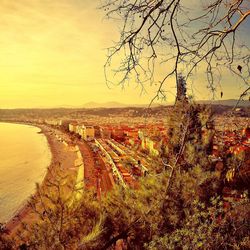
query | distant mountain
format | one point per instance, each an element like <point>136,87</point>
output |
<point>94,105</point>
<point>114,105</point>
<point>103,105</point>
<point>230,102</point>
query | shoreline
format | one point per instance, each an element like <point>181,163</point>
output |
<point>57,156</point>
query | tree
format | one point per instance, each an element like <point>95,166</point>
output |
<point>205,228</point>
<point>182,36</point>
<point>185,41</point>
<point>61,220</point>
<point>163,202</point>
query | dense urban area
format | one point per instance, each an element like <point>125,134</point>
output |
<point>119,145</point>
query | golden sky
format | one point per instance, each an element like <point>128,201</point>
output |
<point>52,53</point>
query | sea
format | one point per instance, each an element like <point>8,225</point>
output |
<point>24,158</point>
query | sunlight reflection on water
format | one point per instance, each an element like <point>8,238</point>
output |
<point>24,158</point>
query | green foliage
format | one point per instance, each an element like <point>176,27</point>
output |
<point>190,134</point>
<point>58,223</point>
<point>207,228</point>
<point>136,214</point>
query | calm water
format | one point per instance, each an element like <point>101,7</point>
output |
<point>24,158</point>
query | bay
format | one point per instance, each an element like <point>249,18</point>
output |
<point>24,158</point>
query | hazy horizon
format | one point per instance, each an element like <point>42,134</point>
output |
<point>90,105</point>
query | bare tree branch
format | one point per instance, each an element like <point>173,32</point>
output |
<point>171,34</point>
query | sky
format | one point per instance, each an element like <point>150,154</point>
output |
<point>52,54</point>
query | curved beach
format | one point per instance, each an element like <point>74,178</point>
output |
<point>62,157</point>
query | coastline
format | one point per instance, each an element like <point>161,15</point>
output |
<point>58,156</point>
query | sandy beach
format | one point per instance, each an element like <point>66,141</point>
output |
<point>62,157</point>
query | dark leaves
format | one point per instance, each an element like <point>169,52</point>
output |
<point>239,68</point>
